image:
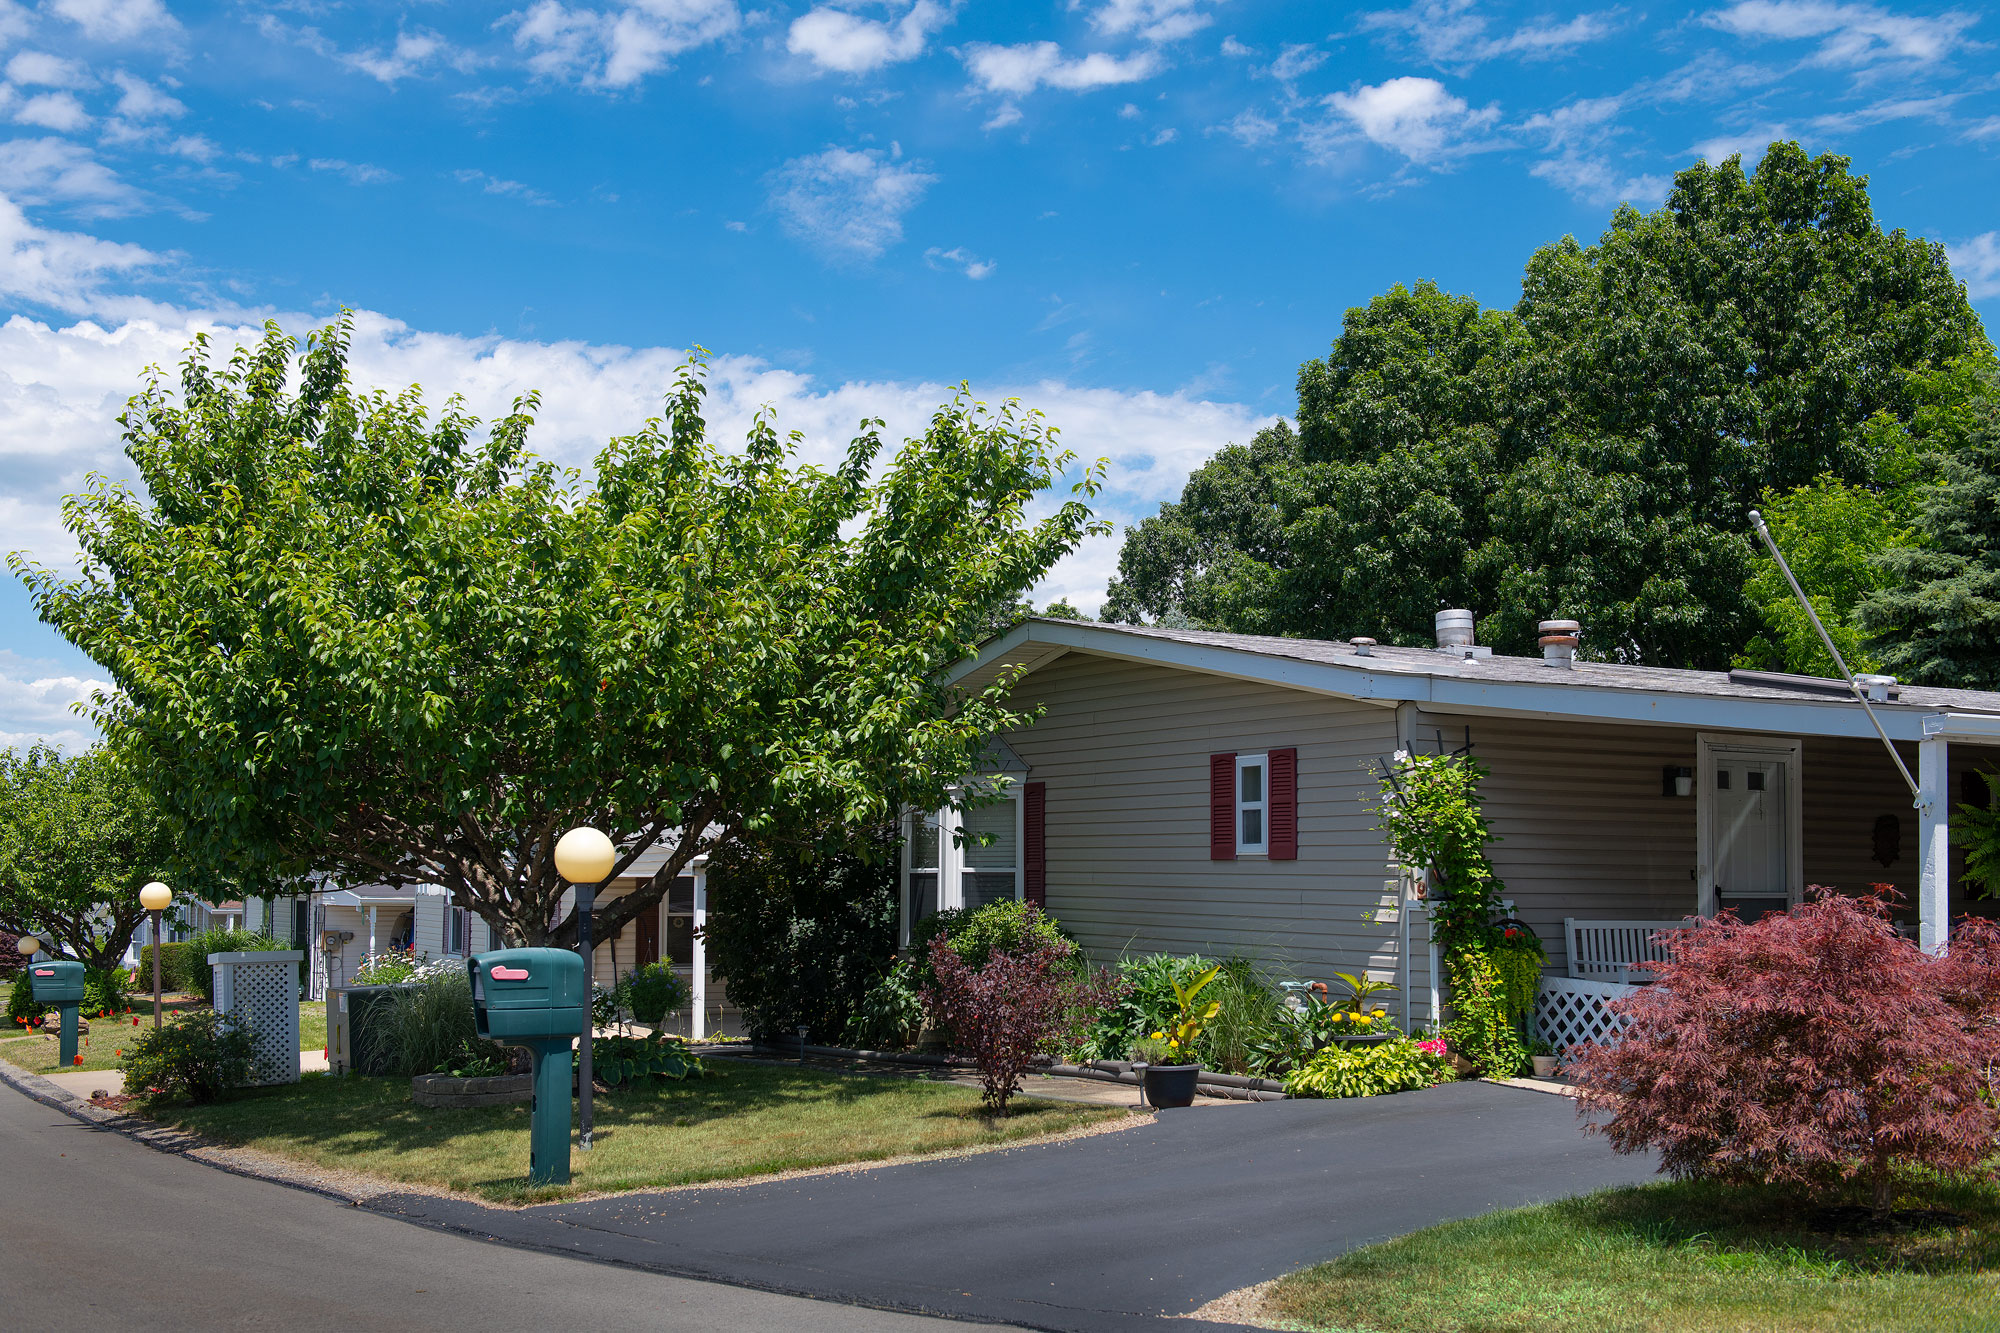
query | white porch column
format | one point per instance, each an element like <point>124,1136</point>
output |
<point>371,930</point>
<point>1933,844</point>
<point>698,1023</point>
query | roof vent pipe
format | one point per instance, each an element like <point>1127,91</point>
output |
<point>1363,647</point>
<point>1558,640</point>
<point>1454,629</point>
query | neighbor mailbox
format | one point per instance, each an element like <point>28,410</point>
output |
<point>59,981</point>
<point>536,998</point>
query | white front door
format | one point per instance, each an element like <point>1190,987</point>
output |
<point>1750,828</point>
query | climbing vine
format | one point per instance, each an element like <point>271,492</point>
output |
<point>1428,809</point>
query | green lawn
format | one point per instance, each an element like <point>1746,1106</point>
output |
<point>742,1120</point>
<point>1657,1258</point>
<point>101,1046</point>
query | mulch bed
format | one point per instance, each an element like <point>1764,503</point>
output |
<point>1854,1219</point>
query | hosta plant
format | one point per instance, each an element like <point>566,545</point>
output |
<point>1401,1065</point>
<point>1809,1048</point>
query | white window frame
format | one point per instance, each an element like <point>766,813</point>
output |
<point>1239,805</point>
<point>951,867</point>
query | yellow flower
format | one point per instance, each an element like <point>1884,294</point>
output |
<point>1358,1018</point>
<point>1379,1012</point>
<point>1158,1035</point>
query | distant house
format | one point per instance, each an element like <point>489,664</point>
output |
<point>1191,791</point>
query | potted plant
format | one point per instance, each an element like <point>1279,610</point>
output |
<point>1168,1067</point>
<point>1543,1057</point>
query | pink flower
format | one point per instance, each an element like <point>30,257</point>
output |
<point>1435,1046</point>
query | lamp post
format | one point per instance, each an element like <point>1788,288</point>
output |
<point>585,857</point>
<point>156,898</point>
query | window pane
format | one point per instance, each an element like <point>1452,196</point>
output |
<point>997,821</point>
<point>987,886</point>
<point>680,940</point>
<point>924,843</point>
<point>1253,828</point>
<point>923,894</point>
<point>1250,783</point>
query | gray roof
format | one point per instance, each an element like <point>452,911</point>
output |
<point>1533,671</point>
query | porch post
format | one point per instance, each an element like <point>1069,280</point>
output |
<point>1933,844</point>
<point>371,930</point>
<point>698,1023</point>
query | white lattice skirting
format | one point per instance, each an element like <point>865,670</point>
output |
<point>1569,1012</point>
<point>261,990</point>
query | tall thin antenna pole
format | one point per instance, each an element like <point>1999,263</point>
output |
<point>1771,544</point>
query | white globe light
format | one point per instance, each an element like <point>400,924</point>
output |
<point>27,946</point>
<point>156,897</point>
<point>585,856</point>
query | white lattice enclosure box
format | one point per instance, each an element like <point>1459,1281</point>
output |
<point>1570,1012</point>
<point>262,991</point>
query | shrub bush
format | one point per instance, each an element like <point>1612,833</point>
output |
<point>654,990</point>
<point>176,971</point>
<point>415,1031</point>
<point>198,977</point>
<point>891,1013</point>
<point>23,1010</point>
<point>801,928</point>
<point>1401,1065</point>
<point>1022,1002</point>
<point>615,1060</point>
<point>12,960</point>
<point>200,1055</point>
<point>1809,1048</point>
<point>1481,1028</point>
<point>104,992</point>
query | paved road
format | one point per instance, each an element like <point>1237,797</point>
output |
<point>102,1232</point>
<point>1102,1233</point>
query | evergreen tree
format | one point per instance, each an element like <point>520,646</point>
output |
<point>1938,623</point>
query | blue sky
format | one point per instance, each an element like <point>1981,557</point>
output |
<point>1138,215</point>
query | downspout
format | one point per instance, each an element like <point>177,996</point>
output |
<point>1407,881</point>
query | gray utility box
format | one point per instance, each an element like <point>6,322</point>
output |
<point>349,1010</point>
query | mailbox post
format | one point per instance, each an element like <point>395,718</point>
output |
<point>59,982</point>
<point>536,998</point>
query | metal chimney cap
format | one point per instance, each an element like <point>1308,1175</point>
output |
<point>1363,646</point>
<point>1454,628</point>
<point>1559,627</point>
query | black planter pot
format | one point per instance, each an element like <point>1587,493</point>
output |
<point>1365,1038</point>
<point>1170,1085</point>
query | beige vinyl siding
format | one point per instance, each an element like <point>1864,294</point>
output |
<point>1124,748</point>
<point>1849,785</point>
<point>1582,826</point>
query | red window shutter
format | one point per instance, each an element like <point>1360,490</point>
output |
<point>1034,832</point>
<point>1222,807</point>
<point>1284,809</point>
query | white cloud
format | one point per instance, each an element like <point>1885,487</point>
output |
<point>1161,138</point>
<point>1749,143</point>
<point>37,698</point>
<point>1021,69</point>
<point>606,49</point>
<point>1596,181</point>
<point>527,194</point>
<point>1977,262</point>
<point>62,269</point>
<point>846,202</point>
<point>1851,34</point>
<point>1294,61</point>
<point>1415,117</point>
<point>39,69</point>
<point>117,20</point>
<point>412,53</point>
<point>140,100</point>
<point>1236,50</point>
<point>961,258</point>
<point>357,173</point>
<point>1008,114</point>
<point>849,44</point>
<point>15,22</point>
<point>1452,33</point>
<point>56,171</point>
<point>1153,20</point>
<point>53,111</point>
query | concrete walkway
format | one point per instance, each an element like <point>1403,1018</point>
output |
<point>1101,1233</point>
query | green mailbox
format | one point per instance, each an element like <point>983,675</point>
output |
<point>536,998</point>
<point>59,981</point>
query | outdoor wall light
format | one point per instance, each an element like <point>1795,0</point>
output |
<point>1676,780</point>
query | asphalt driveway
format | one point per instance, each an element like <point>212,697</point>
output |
<point>1107,1232</point>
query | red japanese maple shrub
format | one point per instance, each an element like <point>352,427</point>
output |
<point>1809,1047</point>
<point>1022,1002</point>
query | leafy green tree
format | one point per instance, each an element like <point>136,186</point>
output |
<point>350,637</point>
<point>1591,452</point>
<point>1938,619</point>
<point>1833,536</point>
<point>79,835</point>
